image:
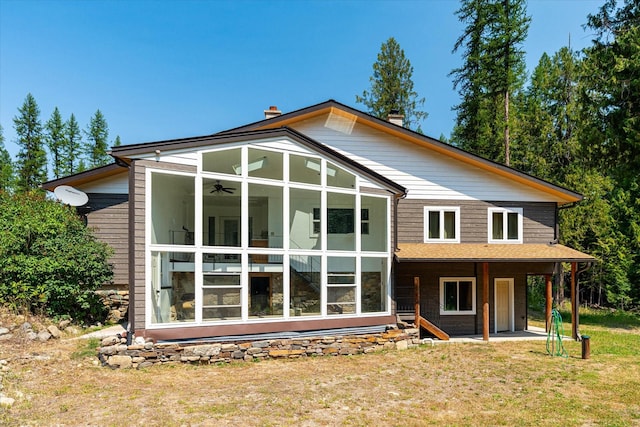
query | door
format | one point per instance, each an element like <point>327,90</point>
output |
<point>503,292</point>
<point>231,232</point>
<point>260,296</point>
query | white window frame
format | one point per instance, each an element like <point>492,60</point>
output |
<point>441,210</point>
<point>473,296</point>
<point>505,225</point>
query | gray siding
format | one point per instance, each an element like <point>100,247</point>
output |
<point>538,219</point>
<point>109,220</point>
<point>430,274</point>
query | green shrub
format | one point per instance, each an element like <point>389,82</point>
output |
<point>49,261</point>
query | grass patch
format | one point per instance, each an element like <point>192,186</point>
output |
<point>496,383</point>
<point>87,348</point>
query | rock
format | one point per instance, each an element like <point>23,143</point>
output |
<point>26,326</point>
<point>64,324</point>
<point>44,336</point>
<point>109,341</point>
<point>54,331</point>
<point>6,337</point>
<point>119,361</point>
<point>6,401</point>
<point>402,345</point>
<point>4,331</point>
<point>32,335</point>
<point>72,330</point>
<point>139,340</point>
<point>145,365</point>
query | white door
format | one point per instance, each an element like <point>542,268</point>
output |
<point>503,292</point>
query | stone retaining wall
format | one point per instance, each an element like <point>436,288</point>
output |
<point>115,353</point>
<point>117,302</point>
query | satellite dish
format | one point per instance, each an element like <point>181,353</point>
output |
<point>70,196</point>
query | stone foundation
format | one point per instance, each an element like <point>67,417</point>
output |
<point>115,353</point>
<point>117,302</point>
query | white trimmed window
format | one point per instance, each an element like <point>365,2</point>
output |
<point>505,225</point>
<point>441,224</point>
<point>457,295</point>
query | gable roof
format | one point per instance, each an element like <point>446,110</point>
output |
<point>125,153</point>
<point>333,107</point>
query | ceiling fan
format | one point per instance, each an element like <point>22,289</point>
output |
<point>219,188</point>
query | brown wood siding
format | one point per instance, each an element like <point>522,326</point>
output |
<point>538,221</point>
<point>430,274</point>
<point>109,221</point>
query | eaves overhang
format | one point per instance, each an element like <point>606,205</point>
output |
<point>85,177</point>
<point>488,252</point>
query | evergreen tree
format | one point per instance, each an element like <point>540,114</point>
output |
<point>611,139</point>
<point>72,147</point>
<point>55,141</point>
<point>392,88</point>
<point>492,74</point>
<point>6,167</point>
<point>117,142</point>
<point>97,135</point>
<point>32,159</point>
<point>546,143</point>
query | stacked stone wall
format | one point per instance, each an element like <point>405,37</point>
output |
<point>115,353</point>
<point>117,303</point>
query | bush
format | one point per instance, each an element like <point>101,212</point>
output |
<point>49,260</point>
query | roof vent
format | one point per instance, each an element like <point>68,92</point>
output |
<point>395,117</point>
<point>272,112</point>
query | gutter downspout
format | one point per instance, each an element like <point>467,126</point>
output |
<point>397,198</point>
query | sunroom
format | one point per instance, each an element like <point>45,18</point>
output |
<point>264,233</point>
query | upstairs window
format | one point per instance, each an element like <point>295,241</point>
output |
<point>505,225</point>
<point>441,224</point>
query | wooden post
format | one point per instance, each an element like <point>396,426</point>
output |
<point>416,296</point>
<point>548,302</point>
<point>485,301</point>
<point>574,303</point>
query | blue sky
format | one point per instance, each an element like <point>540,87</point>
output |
<point>172,69</point>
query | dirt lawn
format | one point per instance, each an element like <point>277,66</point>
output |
<point>514,383</point>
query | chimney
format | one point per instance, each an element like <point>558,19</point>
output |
<point>395,118</point>
<point>272,112</point>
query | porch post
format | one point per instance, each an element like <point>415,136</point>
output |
<point>548,302</point>
<point>574,303</point>
<point>485,301</point>
<point>416,296</point>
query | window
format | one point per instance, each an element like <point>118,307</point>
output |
<point>505,225</point>
<point>457,295</point>
<point>442,224</point>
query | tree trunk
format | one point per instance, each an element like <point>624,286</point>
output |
<point>506,128</point>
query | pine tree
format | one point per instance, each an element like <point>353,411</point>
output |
<point>392,88</point>
<point>492,74</point>
<point>32,159</point>
<point>55,141</point>
<point>97,134</point>
<point>611,140</point>
<point>72,147</point>
<point>117,142</point>
<point>6,167</point>
<point>547,144</point>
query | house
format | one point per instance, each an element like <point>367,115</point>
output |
<point>322,218</point>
